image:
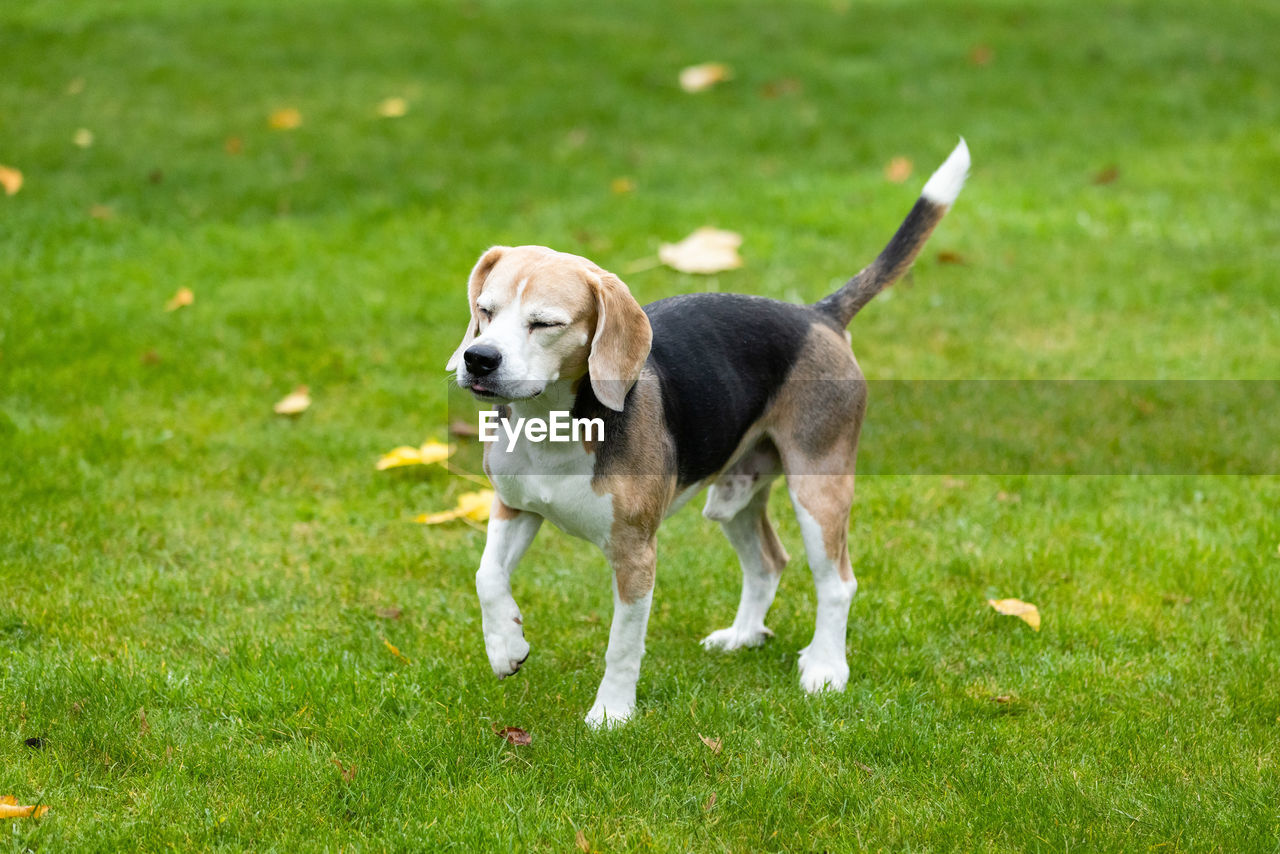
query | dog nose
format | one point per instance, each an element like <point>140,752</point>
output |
<point>482,360</point>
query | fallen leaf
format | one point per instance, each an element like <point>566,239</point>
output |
<point>946,256</point>
<point>1003,699</point>
<point>1106,176</point>
<point>514,734</point>
<point>1017,608</point>
<point>9,808</point>
<point>287,118</point>
<point>699,78</point>
<point>295,402</point>
<point>898,169</point>
<point>10,179</point>
<point>150,357</point>
<point>144,728</point>
<point>104,212</point>
<point>778,88</point>
<point>622,186</point>
<point>347,772</point>
<point>76,86</point>
<point>711,802</point>
<point>156,176</point>
<point>427,453</point>
<point>184,296</point>
<point>233,145</point>
<point>981,55</point>
<point>715,744</point>
<point>37,743</point>
<point>471,505</point>
<point>463,429</point>
<point>83,138</point>
<point>707,250</point>
<point>393,108</point>
<point>395,651</point>
<point>580,840</point>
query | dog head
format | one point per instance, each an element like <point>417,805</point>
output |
<point>538,316</point>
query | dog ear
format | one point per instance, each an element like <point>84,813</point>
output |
<point>478,274</point>
<point>621,343</point>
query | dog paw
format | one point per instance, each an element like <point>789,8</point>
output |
<point>822,673</point>
<point>506,654</point>
<point>606,714</point>
<point>727,640</point>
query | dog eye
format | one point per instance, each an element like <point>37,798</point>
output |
<point>484,312</point>
<point>543,324</point>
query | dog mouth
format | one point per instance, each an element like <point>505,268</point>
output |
<point>482,391</point>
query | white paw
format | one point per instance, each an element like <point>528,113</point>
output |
<point>822,672</point>
<point>733,638</point>
<point>507,651</point>
<point>610,710</point>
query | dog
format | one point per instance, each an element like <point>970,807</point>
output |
<point>716,390</point>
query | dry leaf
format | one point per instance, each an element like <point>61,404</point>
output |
<point>514,734</point>
<point>36,743</point>
<point>347,772</point>
<point>1017,608</point>
<point>622,186</point>
<point>463,429</point>
<point>295,402</point>
<point>715,744</point>
<point>981,55</point>
<point>9,808</point>
<point>778,88</point>
<point>104,212</point>
<point>707,250</point>
<point>946,256</point>
<point>144,728</point>
<point>580,839</point>
<point>898,169</point>
<point>76,86</point>
<point>429,452</point>
<point>83,138</point>
<point>393,108</point>
<point>233,145</point>
<point>184,296</point>
<point>471,505</point>
<point>395,651</point>
<point>711,802</point>
<point>1107,176</point>
<point>287,118</point>
<point>699,78</point>
<point>10,179</point>
<point>1003,699</point>
<point>1009,497</point>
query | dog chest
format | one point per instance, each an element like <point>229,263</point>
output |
<point>555,483</point>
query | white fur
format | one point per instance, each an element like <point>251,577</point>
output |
<point>823,664</point>
<point>616,697</point>
<point>945,184</point>
<point>505,543</point>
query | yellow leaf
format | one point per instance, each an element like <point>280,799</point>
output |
<point>287,118</point>
<point>393,108</point>
<point>397,653</point>
<point>10,179</point>
<point>715,744</point>
<point>621,186</point>
<point>898,170</point>
<point>434,452</point>
<point>83,138</point>
<point>295,402</point>
<point>699,78</point>
<point>471,505</point>
<point>9,809</point>
<point>430,452</point>
<point>1017,608</point>
<point>580,839</point>
<point>707,250</point>
<point>184,296</point>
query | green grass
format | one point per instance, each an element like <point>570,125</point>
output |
<point>168,544</point>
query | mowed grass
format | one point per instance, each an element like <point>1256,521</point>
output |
<point>168,544</point>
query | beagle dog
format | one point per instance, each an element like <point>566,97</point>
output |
<point>714,390</point>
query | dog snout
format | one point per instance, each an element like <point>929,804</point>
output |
<point>482,360</point>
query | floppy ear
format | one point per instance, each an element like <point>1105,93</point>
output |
<point>478,274</point>
<point>621,343</point>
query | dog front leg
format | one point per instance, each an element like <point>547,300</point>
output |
<point>633,576</point>
<point>509,534</point>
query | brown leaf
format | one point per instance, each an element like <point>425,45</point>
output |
<point>10,179</point>
<point>513,734</point>
<point>103,212</point>
<point>1107,176</point>
<point>36,743</point>
<point>150,357</point>
<point>392,613</point>
<point>1003,699</point>
<point>699,78</point>
<point>706,251</point>
<point>580,840</point>
<point>898,169</point>
<point>981,55</point>
<point>286,118</point>
<point>463,429</point>
<point>183,297</point>
<point>711,802</point>
<point>621,186</point>
<point>295,402</point>
<point>946,256</point>
<point>233,145</point>
<point>144,728</point>
<point>1027,612</point>
<point>347,772</point>
<point>715,744</point>
<point>779,88</point>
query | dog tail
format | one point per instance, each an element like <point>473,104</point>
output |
<point>935,200</point>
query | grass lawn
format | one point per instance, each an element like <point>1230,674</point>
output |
<point>194,592</point>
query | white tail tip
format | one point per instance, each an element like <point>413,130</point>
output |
<point>945,184</point>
